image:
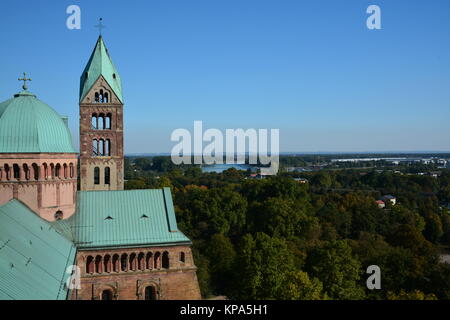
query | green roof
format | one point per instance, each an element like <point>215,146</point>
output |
<point>122,219</point>
<point>100,64</point>
<point>28,125</point>
<point>34,256</point>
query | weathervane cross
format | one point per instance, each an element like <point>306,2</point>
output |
<point>24,79</point>
<point>100,25</point>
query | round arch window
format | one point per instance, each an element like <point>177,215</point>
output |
<point>59,215</point>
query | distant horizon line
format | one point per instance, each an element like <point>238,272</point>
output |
<point>315,152</point>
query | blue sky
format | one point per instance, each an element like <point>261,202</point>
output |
<point>309,68</point>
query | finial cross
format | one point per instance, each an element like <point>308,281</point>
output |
<point>100,25</point>
<point>24,79</point>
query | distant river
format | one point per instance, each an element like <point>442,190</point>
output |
<point>222,167</point>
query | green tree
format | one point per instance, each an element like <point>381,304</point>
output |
<point>262,267</point>
<point>299,286</point>
<point>221,254</point>
<point>334,265</point>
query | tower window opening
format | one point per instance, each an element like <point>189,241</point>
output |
<point>95,148</point>
<point>96,175</point>
<point>108,121</point>
<point>107,176</point>
<point>101,147</point>
<point>107,147</point>
<point>101,121</point>
<point>94,121</point>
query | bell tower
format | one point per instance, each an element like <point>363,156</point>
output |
<point>101,123</point>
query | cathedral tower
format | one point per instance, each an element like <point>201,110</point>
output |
<point>101,123</point>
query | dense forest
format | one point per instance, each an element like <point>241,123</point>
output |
<point>277,238</point>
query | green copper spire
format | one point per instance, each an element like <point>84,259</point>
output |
<point>100,64</point>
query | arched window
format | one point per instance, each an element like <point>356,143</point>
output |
<point>35,171</point>
<point>101,121</point>
<point>95,148</point>
<point>52,170</point>
<point>182,257</point>
<point>123,262</point>
<point>107,263</point>
<point>150,293</point>
<point>107,295</point>
<point>58,171</point>
<point>165,260</point>
<point>7,172</point>
<point>98,264</point>
<point>71,170</point>
<point>107,175</point>
<point>115,263</point>
<point>141,261</point>
<point>149,261</point>
<point>108,121</point>
<point>94,121</point>
<point>133,262</point>
<point>107,147</point>
<point>89,264</point>
<point>26,171</point>
<point>97,97</point>
<point>101,147</point>
<point>16,170</point>
<point>96,175</point>
<point>59,215</point>
<point>157,260</point>
<point>65,170</point>
<point>101,96</point>
<point>105,97</point>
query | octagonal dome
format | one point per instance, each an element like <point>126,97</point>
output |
<point>28,125</point>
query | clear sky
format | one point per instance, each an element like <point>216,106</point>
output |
<point>309,68</point>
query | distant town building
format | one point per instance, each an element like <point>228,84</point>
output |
<point>389,198</point>
<point>380,204</point>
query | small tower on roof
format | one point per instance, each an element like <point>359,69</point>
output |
<point>101,123</point>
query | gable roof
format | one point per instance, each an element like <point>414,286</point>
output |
<point>33,256</point>
<point>122,219</point>
<point>100,64</point>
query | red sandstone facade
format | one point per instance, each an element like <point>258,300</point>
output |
<point>148,273</point>
<point>45,182</point>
